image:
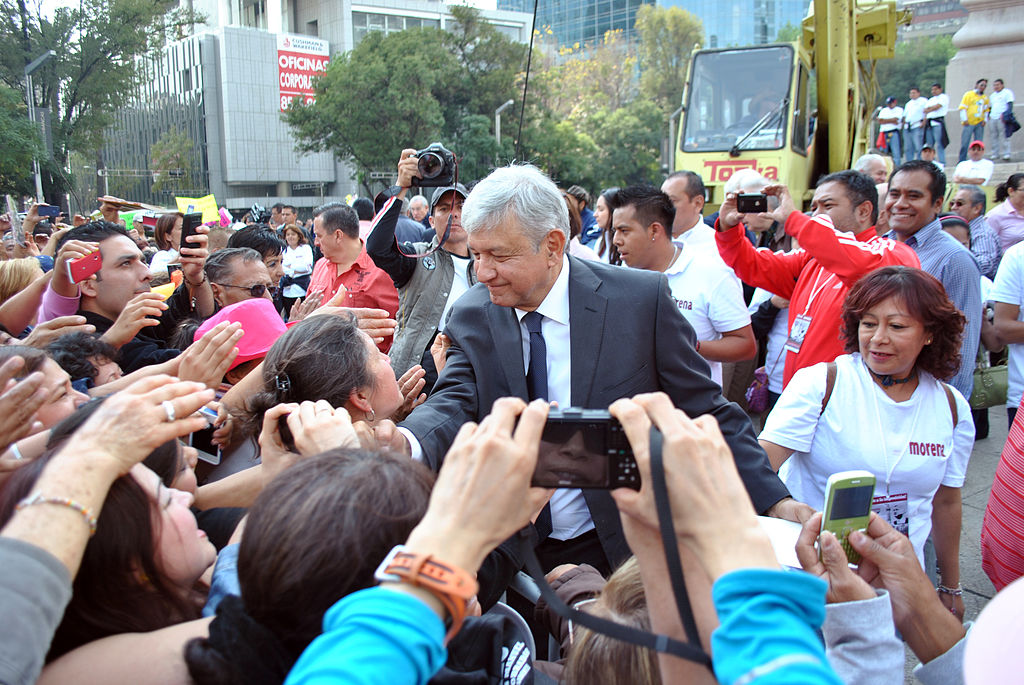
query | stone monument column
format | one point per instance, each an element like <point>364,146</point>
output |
<point>990,45</point>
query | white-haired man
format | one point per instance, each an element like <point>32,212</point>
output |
<point>542,324</point>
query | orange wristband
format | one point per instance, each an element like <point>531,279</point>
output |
<point>453,586</point>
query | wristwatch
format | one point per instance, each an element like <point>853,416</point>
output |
<point>453,586</point>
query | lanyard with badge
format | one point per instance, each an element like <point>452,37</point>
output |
<point>798,331</point>
<point>892,506</point>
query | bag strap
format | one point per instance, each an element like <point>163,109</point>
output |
<point>952,404</point>
<point>830,384</point>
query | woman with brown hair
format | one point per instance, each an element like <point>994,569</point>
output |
<point>167,235</point>
<point>297,264</point>
<point>316,534</point>
<point>884,408</point>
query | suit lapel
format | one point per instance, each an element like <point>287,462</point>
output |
<point>508,345</point>
<point>586,322</point>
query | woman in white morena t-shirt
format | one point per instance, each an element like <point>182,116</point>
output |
<point>888,414</point>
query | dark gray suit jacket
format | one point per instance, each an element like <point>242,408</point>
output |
<point>626,337</point>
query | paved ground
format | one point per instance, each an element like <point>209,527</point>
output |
<point>977,587</point>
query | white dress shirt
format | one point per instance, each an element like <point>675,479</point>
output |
<point>570,516</point>
<point>942,100</point>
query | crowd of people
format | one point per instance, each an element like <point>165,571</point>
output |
<point>305,452</point>
<point>917,130</point>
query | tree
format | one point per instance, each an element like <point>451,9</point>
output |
<point>629,144</point>
<point>919,62</point>
<point>172,161</point>
<point>789,33</point>
<point>19,143</point>
<point>97,45</point>
<point>411,88</point>
<point>667,37</point>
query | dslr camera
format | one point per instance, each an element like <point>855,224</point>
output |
<point>436,166</point>
<point>585,448</point>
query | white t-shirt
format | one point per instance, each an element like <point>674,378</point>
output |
<point>942,100</point>
<point>775,355</point>
<point>998,102</point>
<point>971,169</point>
<point>460,284</point>
<point>297,261</point>
<point>890,113</point>
<point>1009,288</point>
<point>912,447</point>
<point>913,113</point>
<point>161,260</point>
<point>710,296</point>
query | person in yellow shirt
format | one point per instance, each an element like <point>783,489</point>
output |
<point>973,112</point>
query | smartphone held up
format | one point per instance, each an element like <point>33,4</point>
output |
<point>848,497</point>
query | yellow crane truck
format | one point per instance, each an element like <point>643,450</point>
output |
<point>792,111</point>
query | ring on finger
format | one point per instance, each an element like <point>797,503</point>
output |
<point>168,410</point>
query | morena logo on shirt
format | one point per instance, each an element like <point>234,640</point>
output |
<point>684,304</point>
<point>927,449</point>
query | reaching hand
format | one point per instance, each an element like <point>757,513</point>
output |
<point>382,435</point>
<point>192,259</point>
<point>408,168</point>
<point>306,306</point>
<point>483,494</point>
<point>134,317</point>
<point>135,421</point>
<point>410,385</point>
<point>439,351</point>
<point>208,359</point>
<point>376,323</point>
<point>48,331</point>
<point>712,512</point>
<point>843,584</point>
<point>315,428</point>
<point>19,401</point>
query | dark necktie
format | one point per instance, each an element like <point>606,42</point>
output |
<point>537,388</point>
<point>537,373</point>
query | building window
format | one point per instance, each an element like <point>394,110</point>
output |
<point>364,22</point>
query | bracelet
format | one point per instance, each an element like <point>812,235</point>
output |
<point>40,498</point>
<point>195,285</point>
<point>452,586</point>
<point>696,348</point>
<point>955,591</point>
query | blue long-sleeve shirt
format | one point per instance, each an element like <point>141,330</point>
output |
<point>768,631</point>
<point>374,637</point>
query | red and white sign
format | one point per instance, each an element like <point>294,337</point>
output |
<point>299,60</point>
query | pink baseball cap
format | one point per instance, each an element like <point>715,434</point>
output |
<point>261,326</point>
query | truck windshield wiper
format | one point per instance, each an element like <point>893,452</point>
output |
<point>761,123</point>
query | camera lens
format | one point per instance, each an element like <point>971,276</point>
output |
<point>430,165</point>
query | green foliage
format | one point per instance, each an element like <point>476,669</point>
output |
<point>19,141</point>
<point>97,45</point>
<point>919,62</point>
<point>788,34</point>
<point>409,89</point>
<point>629,143</point>
<point>667,37</point>
<point>173,158</point>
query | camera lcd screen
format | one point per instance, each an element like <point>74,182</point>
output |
<point>851,502</point>
<point>573,455</point>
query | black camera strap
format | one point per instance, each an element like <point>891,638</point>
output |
<point>691,651</point>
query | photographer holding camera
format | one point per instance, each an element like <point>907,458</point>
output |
<point>839,246</point>
<point>428,285</point>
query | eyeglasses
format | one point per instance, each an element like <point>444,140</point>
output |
<point>256,290</point>
<point>956,203</point>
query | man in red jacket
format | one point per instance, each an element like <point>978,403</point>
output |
<point>838,245</point>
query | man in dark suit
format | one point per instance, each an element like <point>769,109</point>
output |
<point>604,333</point>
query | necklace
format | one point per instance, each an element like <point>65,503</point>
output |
<point>888,381</point>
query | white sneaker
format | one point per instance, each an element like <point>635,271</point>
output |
<point>1006,158</point>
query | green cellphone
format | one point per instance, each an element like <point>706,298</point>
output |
<point>848,497</point>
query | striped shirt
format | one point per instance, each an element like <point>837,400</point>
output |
<point>985,246</point>
<point>1002,531</point>
<point>953,264</point>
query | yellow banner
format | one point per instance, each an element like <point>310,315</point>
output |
<point>206,204</point>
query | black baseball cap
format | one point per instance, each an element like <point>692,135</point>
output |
<point>439,193</point>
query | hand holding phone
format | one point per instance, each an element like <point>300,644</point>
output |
<point>83,267</point>
<point>188,228</point>
<point>49,211</point>
<point>848,497</point>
